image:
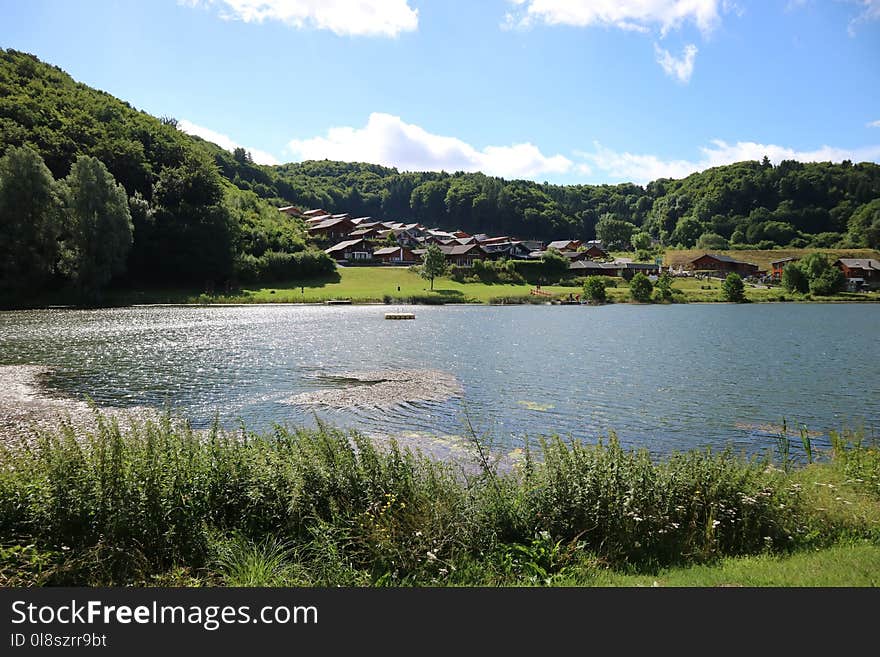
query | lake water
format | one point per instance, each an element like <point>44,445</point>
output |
<point>663,377</point>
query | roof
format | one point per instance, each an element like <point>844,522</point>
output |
<point>592,264</point>
<point>789,259</point>
<point>458,249</point>
<point>329,223</point>
<point>315,213</point>
<point>389,250</point>
<point>290,208</point>
<point>860,263</point>
<point>561,244</point>
<point>723,258</point>
<point>343,245</point>
<point>360,232</point>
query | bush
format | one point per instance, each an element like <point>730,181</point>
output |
<point>829,282</point>
<point>640,288</point>
<point>733,288</point>
<point>275,266</point>
<point>794,279</point>
<point>594,288</point>
<point>663,291</point>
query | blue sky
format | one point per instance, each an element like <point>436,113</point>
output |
<point>567,91</point>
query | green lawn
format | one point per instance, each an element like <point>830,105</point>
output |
<point>365,284</point>
<point>857,564</point>
<point>373,284</point>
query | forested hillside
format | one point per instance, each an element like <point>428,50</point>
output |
<point>190,224</point>
<point>203,216</point>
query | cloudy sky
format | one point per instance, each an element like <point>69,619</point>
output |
<point>567,91</point>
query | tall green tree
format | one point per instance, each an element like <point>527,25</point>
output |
<point>29,220</point>
<point>594,288</point>
<point>733,289</point>
<point>99,222</point>
<point>433,264</point>
<point>640,288</point>
<point>614,233</point>
<point>794,279</point>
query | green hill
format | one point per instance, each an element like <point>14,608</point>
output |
<point>206,217</point>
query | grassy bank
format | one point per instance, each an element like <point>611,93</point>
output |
<point>401,285</point>
<point>159,504</point>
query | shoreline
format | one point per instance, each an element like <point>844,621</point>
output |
<point>27,408</point>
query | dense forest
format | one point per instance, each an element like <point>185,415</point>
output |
<point>189,224</point>
<point>203,216</point>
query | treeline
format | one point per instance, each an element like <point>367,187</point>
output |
<point>189,224</point>
<point>748,204</point>
<point>203,216</point>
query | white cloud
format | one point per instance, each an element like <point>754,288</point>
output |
<point>873,124</point>
<point>642,168</point>
<point>224,141</point>
<point>387,140</point>
<point>679,68</point>
<point>870,11</point>
<point>343,17</point>
<point>640,15</point>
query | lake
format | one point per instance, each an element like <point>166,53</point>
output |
<point>663,377</point>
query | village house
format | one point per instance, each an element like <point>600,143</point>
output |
<point>396,255</point>
<point>594,251</point>
<point>776,266</point>
<point>511,249</point>
<point>291,210</point>
<point>564,245</point>
<point>351,250</point>
<point>860,271</point>
<point>458,255</point>
<point>721,264</point>
<point>331,229</point>
<point>317,212</point>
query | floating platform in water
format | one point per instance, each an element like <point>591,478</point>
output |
<point>338,302</point>
<point>400,315</point>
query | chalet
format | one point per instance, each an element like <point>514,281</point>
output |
<point>492,240</point>
<point>459,255</point>
<point>291,210</point>
<point>314,221</point>
<point>331,229</point>
<point>594,251</point>
<point>463,255</point>
<point>776,266</point>
<point>867,269</point>
<point>367,232</point>
<point>512,249</point>
<point>721,264</point>
<point>317,212</point>
<point>352,250</point>
<point>357,221</point>
<point>593,268</point>
<point>396,255</point>
<point>565,245</point>
<point>344,215</point>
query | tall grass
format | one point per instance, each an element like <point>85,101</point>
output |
<point>324,507</point>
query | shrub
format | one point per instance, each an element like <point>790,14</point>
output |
<point>794,279</point>
<point>594,288</point>
<point>640,288</point>
<point>733,288</point>
<point>829,282</point>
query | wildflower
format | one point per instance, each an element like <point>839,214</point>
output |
<point>432,556</point>
<point>715,523</point>
<point>418,533</point>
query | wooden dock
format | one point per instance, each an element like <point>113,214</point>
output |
<point>400,316</point>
